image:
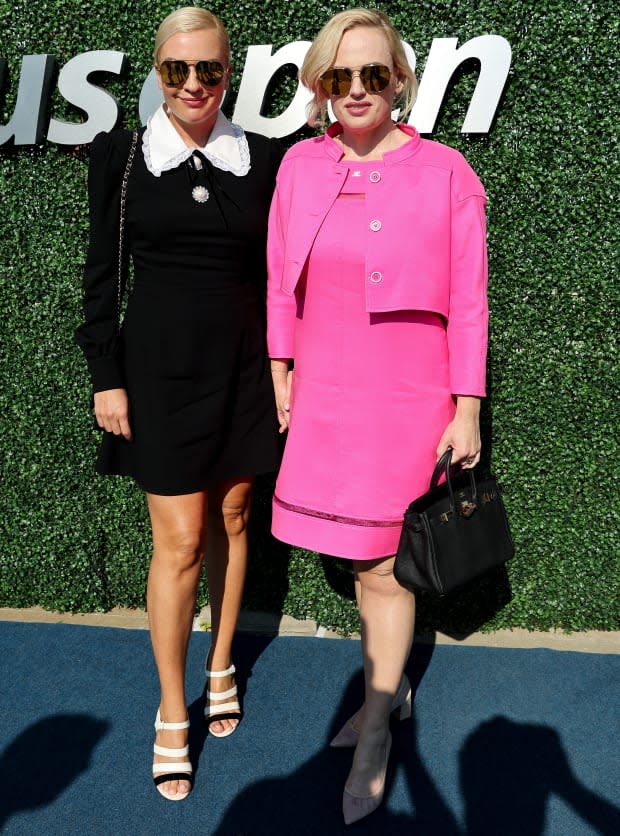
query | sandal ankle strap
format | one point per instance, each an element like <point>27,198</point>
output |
<point>219,674</point>
<point>160,725</point>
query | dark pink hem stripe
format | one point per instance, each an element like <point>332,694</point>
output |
<point>323,515</point>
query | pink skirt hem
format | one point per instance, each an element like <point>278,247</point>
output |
<point>352,542</point>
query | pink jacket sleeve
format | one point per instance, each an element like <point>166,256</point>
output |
<point>468,314</point>
<point>281,308</point>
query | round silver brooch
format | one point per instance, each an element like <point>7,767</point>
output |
<point>200,194</point>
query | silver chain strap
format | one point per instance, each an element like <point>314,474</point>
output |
<point>121,235</point>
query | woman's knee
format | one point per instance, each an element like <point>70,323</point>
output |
<point>179,528</point>
<point>182,548</point>
<point>235,517</point>
<point>378,576</point>
<point>231,510</point>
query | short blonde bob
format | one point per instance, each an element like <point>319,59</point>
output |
<point>322,54</point>
<point>189,19</point>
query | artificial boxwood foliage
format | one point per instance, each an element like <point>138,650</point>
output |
<point>72,541</point>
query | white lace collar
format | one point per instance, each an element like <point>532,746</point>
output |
<point>163,148</point>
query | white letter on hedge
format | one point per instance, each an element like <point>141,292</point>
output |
<point>260,67</point>
<point>101,107</point>
<point>151,97</point>
<point>494,54</point>
<point>27,124</point>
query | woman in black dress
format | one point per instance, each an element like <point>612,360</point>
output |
<point>182,388</point>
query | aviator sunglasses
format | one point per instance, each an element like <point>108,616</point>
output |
<point>174,72</point>
<point>338,80</point>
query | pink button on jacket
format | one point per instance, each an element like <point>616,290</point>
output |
<point>428,251</point>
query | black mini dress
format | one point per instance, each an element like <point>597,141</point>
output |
<point>191,348</point>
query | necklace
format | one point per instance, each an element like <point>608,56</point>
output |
<point>199,193</point>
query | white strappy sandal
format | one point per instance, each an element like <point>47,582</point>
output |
<point>172,770</point>
<point>221,711</point>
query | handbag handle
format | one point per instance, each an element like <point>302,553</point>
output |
<point>443,465</point>
<point>120,284</point>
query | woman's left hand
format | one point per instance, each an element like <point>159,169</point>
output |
<point>282,383</point>
<point>463,433</point>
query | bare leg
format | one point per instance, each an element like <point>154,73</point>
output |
<point>227,554</point>
<point>354,721</point>
<point>387,612</point>
<point>179,540</point>
<point>358,590</point>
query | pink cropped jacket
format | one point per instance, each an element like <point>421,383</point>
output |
<point>425,242</point>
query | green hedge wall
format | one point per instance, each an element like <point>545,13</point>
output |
<point>72,541</point>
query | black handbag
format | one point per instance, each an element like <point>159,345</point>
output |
<point>453,533</point>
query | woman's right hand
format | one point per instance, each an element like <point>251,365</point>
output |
<point>112,412</point>
<point>282,382</point>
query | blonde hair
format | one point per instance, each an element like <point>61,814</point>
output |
<point>322,54</point>
<point>188,19</point>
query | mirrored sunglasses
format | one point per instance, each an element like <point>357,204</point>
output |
<point>338,80</point>
<point>174,72</point>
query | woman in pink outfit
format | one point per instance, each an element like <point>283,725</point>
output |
<point>377,293</point>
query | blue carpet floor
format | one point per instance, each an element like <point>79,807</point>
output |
<point>502,741</point>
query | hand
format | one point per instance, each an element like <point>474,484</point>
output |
<point>463,434</point>
<point>282,383</point>
<point>112,412</point>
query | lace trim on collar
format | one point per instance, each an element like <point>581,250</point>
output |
<point>227,147</point>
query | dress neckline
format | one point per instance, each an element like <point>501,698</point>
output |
<point>357,163</point>
<point>396,155</point>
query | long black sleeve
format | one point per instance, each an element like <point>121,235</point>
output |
<point>98,335</point>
